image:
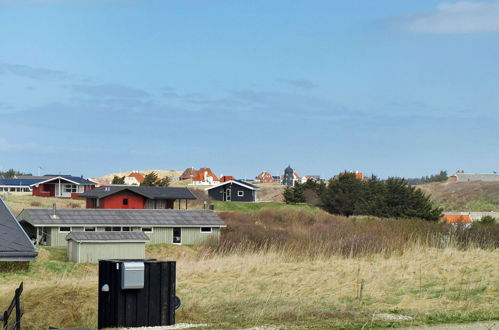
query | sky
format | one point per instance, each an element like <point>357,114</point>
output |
<point>389,87</point>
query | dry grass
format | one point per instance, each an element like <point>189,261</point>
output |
<point>19,202</point>
<point>464,196</point>
<point>254,289</point>
<point>278,275</point>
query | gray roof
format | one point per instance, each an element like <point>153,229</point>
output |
<point>121,217</point>
<point>15,245</point>
<point>467,177</point>
<point>149,192</point>
<point>80,236</point>
<point>238,182</point>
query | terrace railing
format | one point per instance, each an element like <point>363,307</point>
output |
<point>15,322</point>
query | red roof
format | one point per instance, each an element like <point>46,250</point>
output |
<point>138,176</point>
<point>226,178</point>
<point>457,218</point>
<point>202,171</point>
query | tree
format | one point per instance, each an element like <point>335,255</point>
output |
<point>11,173</point>
<point>342,194</point>
<point>393,197</point>
<point>165,182</point>
<point>118,180</point>
<point>150,179</point>
<point>487,220</point>
<point>295,194</point>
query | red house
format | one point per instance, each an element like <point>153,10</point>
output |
<point>136,197</point>
<point>265,177</point>
<point>61,186</point>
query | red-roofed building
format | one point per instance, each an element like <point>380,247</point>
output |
<point>227,178</point>
<point>134,179</point>
<point>265,177</point>
<point>457,218</point>
<point>205,177</point>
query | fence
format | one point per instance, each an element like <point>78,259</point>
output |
<point>15,303</point>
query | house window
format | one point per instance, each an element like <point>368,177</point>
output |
<point>89,228</point>
<point>240,193</point>
<point>125,201</point>
<point>64,229</point>
<point>206,229</point>
<point>71,188</point>
<point>177,235</point>
<point>108,228</point>
<point>147,229</point>
<point>116,228</point>
<point>126,228</point>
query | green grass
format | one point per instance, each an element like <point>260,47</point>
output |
<point>252,207</point>
<point>470,206</point>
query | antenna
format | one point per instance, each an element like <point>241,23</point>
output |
<point>39,169</point>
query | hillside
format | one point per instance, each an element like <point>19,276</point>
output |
<point>161,174</point>
<point>464,196</point>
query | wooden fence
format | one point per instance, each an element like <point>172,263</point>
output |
<point>15,323</point>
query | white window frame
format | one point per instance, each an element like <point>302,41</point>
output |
<point>205,232</point>
<point>70,188</point>
<point>64,227</point>
<point>240,193</point>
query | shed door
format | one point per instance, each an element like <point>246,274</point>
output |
<point>177,235</point>
<point>228,194</point>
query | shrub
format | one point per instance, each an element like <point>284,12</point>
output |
<point>487,220</point>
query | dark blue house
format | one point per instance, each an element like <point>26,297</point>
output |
<point>233,190</point>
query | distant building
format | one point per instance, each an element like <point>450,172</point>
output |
<point>460,217</point>
<point>189,174</point>
<point>49,185</point>
<point>205,177</point>
<point>290,177</point>
<point>306,178</point>
<point>235,190</point>
<point>226,178</point>
<point>460,176</point>
<point>277,179</point>
<point>137,197</point>
<point>134,179</point>
<point>468,216</point>
<point>265,177</point>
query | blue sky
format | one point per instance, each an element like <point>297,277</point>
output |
<point>395,88</point>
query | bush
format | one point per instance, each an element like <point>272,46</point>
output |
<point>487,220</point>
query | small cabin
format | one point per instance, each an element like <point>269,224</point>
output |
<point>234,190</point>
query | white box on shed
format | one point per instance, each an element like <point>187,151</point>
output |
<point>132,275</point>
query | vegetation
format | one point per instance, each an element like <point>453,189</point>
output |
<point>253,207</point>
<point>278,276</point>
<point>18,202</point>
<point>11,173</point>
<point>346,195</point>
<point>440,177</point>
<point>487,220</point>
<point>315,233</point>
<point>152,179</point>
<point>118,180</point>
<point>294,195</point>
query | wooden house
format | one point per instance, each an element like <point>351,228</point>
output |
<point>137,197</point>
<point>234,190</point>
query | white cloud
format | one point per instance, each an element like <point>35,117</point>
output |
<point>462,17</point>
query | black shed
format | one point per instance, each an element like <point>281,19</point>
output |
<point>233,190</point>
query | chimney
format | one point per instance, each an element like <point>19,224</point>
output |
<point>54,212</point>
<point>205,175</point>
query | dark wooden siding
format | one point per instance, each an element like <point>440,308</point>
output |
<point>219,193</point>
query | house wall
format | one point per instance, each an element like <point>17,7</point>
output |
<point>220,193</point>
<point>116,201</point>
<point>92,252</point>
<point>160,235</point>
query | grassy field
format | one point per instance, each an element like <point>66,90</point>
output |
<point>17,202</point>
<point>251,207</point>
<point>294,268</point>
<point>255,289</point>
<point>464,196</point>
